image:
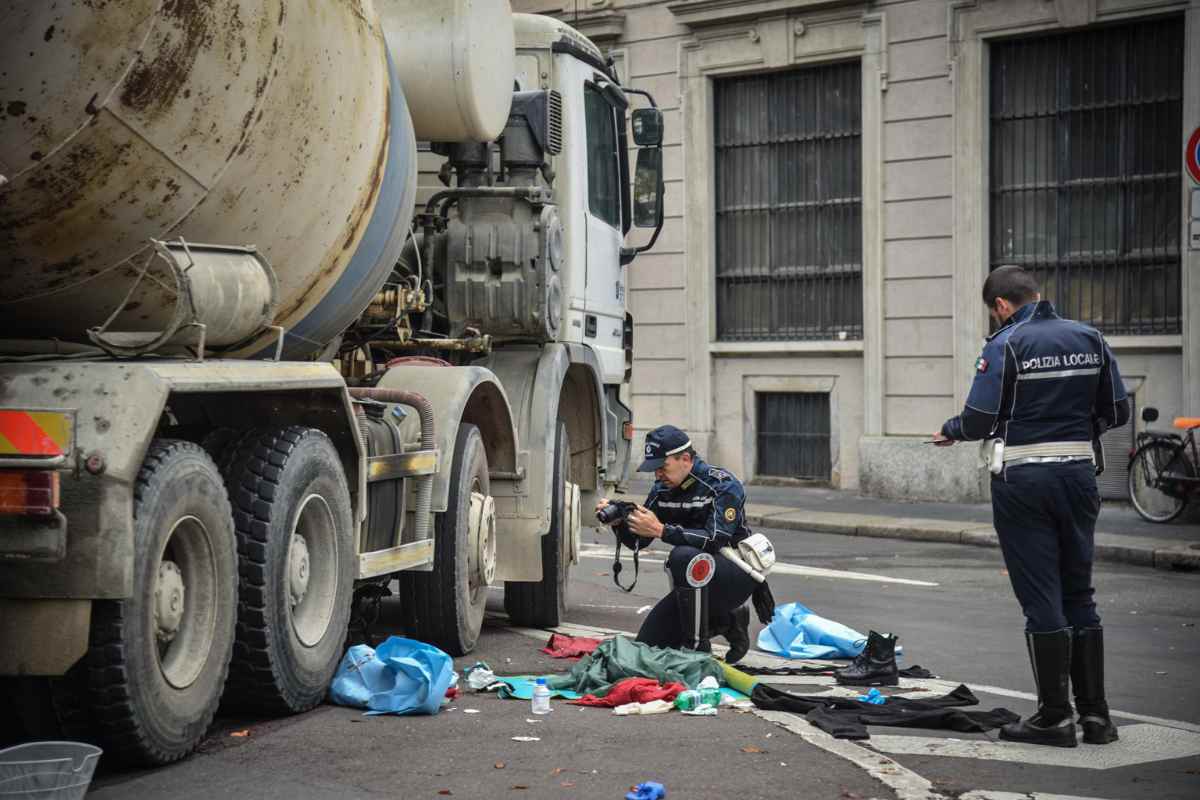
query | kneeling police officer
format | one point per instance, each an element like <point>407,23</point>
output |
<point>696,508</point>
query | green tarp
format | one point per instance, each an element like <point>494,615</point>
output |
<point>619,658</point>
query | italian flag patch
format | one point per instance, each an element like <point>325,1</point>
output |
<point>981,364</point>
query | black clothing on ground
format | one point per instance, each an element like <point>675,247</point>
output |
<point>844,718</point>
<point>915,671</point>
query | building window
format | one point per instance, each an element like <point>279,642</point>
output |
<point>604,184</point>
<point>789,204</point>
<point>1085,170</point>
<point>793,435</point>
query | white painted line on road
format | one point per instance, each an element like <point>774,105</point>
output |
<point>1155,740</point>
<point>947,686</point>
<point>780,568</point>
<point>907,784</point>
<point>1139,744</point>
<point>984,794</point>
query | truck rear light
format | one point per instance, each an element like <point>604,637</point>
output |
<point>33,492</point>
<point>627,431</point>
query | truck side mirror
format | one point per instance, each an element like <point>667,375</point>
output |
<point>648,189</point>
<point>1149,414</point>
<point>647,126</point>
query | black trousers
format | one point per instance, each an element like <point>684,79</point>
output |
<point>1045,517</point>
<point>729,588</point>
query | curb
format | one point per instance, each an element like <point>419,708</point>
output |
<point>1182,557</point>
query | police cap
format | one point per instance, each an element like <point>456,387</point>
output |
<point>661,442</point>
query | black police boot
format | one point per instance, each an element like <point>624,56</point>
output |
<point>1053,723</point>
<point>735,627</point>
<point>875,665</point>
<point>693,619</point>
<point>1087,679</point>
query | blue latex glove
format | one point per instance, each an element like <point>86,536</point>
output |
<point>647,791</point>
<point>873,697</point>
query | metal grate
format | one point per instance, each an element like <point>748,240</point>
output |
<point>1117,443</point>
<point>789,204</point>
<point>793,435</point>
<point>1085,170</point>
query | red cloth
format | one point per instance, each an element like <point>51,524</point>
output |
<point>561,646</point>
<point>632,690</point>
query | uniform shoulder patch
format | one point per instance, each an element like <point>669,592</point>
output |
<point>730,514</point>
<point>981,364</point>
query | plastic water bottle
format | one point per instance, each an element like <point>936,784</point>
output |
<point>687,700</point>
<point>541,697</point>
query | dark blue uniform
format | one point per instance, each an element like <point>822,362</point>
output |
<point>705,514</point>
<point>1045,380</point>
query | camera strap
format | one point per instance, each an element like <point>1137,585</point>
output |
<point>616,568</point>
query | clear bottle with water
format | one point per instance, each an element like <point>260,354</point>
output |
<point>541,697</point>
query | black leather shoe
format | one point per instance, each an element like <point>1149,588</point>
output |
<point>1035,730</point>
<point>874,666</point>
<point>1054,722</point>
<point>1087,679</point>
<point>737,633</point>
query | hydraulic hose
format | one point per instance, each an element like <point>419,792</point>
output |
<point>425,413</point>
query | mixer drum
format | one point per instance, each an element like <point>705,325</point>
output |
<point>265,123</point>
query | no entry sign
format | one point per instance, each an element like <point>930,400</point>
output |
<point>1192,156</point>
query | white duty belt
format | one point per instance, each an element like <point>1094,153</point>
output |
<point>1048,452</point>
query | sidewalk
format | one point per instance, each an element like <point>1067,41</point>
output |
<point>1121,535</point>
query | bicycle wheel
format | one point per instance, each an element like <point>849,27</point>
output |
<point>1151,489</point>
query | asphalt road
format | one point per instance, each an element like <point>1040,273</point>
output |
<point>966,628</point>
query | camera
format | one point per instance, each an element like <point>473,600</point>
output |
<point>616,511</point>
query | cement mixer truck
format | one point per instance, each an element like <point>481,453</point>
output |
<point>253,379</point>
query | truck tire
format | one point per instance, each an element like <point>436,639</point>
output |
<point>543,604</point>
<point>446,606</point>
<point>295,540</point>
<point>157,662</point>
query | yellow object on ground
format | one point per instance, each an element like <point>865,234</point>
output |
<point>736,679</point>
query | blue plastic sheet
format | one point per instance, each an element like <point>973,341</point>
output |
<point>796,632</point>
<point>401,677</point>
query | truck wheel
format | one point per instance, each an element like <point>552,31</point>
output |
<point>157,662</point>
<point>447,604</point>
<point>543,603</point>
<point>295,537</point>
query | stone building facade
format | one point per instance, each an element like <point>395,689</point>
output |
<point>790,307</point>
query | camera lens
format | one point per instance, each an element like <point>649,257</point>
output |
<point>609,514</point>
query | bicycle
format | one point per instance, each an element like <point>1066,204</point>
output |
<point>1162,477</point>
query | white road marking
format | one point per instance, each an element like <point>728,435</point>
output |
<point>780,568</point>
<point>984,794</point>
<point>947,686</point>
<point>1155,740</point>
<point>1139,744</point>
<point>907,784</point>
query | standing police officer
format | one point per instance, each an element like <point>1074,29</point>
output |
<point>1044,388</point>
<point>697,509</point>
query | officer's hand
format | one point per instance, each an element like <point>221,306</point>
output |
<point>943,441</point>
<point>643,522</point>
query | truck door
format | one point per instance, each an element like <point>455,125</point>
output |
<point>605,292</point>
